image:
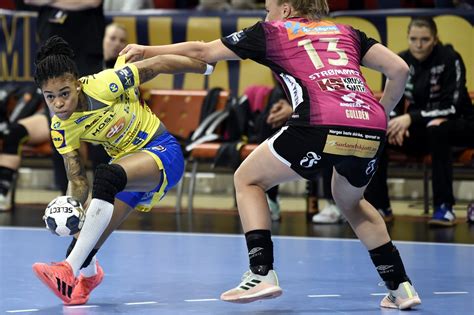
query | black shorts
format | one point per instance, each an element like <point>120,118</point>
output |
<point>354,152</point>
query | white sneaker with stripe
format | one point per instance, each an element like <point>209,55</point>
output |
<point>254,287</point>
<point>402,298</point>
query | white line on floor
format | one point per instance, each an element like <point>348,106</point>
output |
<point>24,311</point>
<point>82,306</point>
<point>201,300</point>
<point>453,292</point>
<point>189,234</point>
<point>323,295</point>
<point>377,294</point>
<point>141,303</point>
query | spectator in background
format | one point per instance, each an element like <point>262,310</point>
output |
<point>35,130</point>
<point>439,105</point>
<point>115,39</point>
<point>128,5</point>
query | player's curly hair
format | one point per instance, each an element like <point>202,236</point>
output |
<point>314,9</point>
<point>54,59</point>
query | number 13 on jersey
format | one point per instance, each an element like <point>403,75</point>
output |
<point>332,47</point>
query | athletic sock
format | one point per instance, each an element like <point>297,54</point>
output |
<point>90,270</point>
<point>389,265</point>
<point>98,217</point>
<point>260,249</point>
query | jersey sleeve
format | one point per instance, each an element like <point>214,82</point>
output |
<point>365,43</point>
<point>109,84</point>
<point>247,43</point>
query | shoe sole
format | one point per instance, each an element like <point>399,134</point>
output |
<point>41,274</point>
<point>266,294</point>
<point>409,304</point>
<point>403,306</point>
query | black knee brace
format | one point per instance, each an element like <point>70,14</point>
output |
<point>88,259</point>
<point>12,138</point>
<point>109,179</point>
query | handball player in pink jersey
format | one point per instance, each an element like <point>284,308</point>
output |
<point>337,123</point>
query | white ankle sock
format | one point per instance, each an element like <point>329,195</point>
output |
<point>90,270</point>
<point>98,217</point>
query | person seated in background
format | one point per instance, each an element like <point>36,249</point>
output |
<point>34,130</point>
<point>438,103</point>
<point>115,39</point>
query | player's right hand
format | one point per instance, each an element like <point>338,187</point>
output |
<point>133,52</point>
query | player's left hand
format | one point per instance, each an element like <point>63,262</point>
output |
<point>133,52</point>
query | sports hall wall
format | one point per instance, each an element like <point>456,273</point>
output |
<point>18,41</point>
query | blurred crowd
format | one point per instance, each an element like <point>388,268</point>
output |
<point>128,5</point>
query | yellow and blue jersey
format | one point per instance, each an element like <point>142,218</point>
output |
<point>115,118</point>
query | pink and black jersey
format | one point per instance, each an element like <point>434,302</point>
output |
<point>318,64</point>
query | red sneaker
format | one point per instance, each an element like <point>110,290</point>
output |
<point>85,285</point>
<point>58,277</point>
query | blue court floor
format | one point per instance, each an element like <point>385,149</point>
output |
<point>176,273</point>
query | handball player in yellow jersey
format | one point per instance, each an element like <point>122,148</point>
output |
<point>105,108</point>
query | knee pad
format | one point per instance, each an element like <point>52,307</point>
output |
<point>109,179</point>
<point>13,137</point>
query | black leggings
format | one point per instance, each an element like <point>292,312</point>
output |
<point>437,141</point>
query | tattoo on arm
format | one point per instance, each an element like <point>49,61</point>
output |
<point>78,185</point>
<point>169,64</point>
<point>146,74</point>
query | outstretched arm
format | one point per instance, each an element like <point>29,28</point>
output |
<point>170,64</point>
<point>209,52</point>
<point>380,58</point>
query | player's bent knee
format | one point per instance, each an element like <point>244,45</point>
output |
<point>13,138</point>
<point>109,179</point>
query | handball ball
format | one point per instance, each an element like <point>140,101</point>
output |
<point>64,216</point>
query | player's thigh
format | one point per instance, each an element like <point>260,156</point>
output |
<point>263,168</point>
<point>344,193</point>
<point>37,127</point>
<point>143,173</point>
